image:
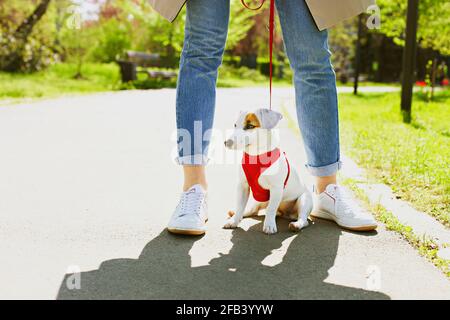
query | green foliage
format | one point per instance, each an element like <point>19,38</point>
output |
<point>151,32</point>
<point>342,44</point>
<point>78,44</point>
<point>113,38</point>
<point>134,25</point>
<point>240,23</point>
<point>39,51</point>
<point>36,55</point>
<point>434,22</point>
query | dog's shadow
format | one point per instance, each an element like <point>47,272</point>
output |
<point>163,270</point>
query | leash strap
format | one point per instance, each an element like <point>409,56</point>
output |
<point>271,37</point>
<point>289,170</point>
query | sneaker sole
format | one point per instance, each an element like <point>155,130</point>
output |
<point>326,216</point>
<point>187,232</point>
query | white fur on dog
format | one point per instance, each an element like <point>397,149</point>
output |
<point>293,201</point>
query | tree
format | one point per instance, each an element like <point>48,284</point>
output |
<point>148,31</point>
<point>409,59</point>
<point>358,55</point>
<point>341,42</point>
<point>433,24</point>
<point>241,22</point>
<point>78,36</point>
<point>12,61</point>
<point>428,27</point>
<point>160,36</point>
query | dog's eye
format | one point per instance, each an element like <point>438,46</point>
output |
<point>249,127</point>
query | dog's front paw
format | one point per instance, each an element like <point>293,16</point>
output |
<point>231,223</point>
<point>270,226</point>
<point>298,225</point>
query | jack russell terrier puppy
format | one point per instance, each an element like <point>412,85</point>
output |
<point>265,171</point>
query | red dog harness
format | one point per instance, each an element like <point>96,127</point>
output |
<point>254,166</point>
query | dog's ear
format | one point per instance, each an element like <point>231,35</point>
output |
<point>240,119</point>
<point>268,118</point>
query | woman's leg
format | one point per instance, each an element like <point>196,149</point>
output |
<point>205,37</point>
<point>315,87</point>
<point>195,174</point>
<point>317,112</point>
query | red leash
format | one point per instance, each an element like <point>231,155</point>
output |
<point>271,37</point>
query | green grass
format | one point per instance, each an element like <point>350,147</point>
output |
<point>426,246</point>
<point>59,80</point>
<point>230,77</point>
<point>236,82</point>
<point>413,159</point>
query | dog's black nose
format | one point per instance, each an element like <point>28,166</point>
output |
<point>229,143</point>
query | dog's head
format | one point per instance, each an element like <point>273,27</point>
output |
<point>253,129</point>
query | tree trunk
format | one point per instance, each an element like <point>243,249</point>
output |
<point>13,60</point>
<point>409,59</point>
<point>358,55</point>
<point>433,77</point>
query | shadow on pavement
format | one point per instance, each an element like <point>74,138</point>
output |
<point>163,270</point>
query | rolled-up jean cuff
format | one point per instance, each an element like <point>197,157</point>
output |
<point>194,160</point>
<point>324,171</point>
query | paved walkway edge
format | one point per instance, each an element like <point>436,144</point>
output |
<point>422,225</point>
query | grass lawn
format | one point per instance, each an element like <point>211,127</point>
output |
<point>59,80</point>
<point>413,159</point>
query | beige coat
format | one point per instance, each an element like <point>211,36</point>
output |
<point>326,13</point>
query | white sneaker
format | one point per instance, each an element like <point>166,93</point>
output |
<point>190,215</point>
<point>336,205</point>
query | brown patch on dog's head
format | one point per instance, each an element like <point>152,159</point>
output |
<point>251,121</point>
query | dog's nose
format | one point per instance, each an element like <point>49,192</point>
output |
<point>229,143</point>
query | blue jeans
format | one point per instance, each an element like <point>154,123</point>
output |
<point>314,80</point>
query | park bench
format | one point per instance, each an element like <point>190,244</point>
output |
<point>140,62</point>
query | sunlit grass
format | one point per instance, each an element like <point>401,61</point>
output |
<point>413,159</point>
<point>424,244</point>
<point>59,80</point>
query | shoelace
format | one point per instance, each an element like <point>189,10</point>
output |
<point>344,201</point>
<point>191,203</point>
